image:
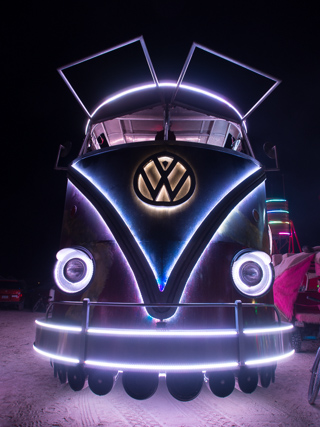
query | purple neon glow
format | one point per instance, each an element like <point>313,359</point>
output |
<point>65,255</point>
<point>57,327</point>
<point>98,219</point>
<point>122,94</point>
<point>197,225</point>
<point>56,356</point>
<point>164,84</point>
<point>269,360</point>
<point>264,262</point>
<point>162,367</point>
<point>162,285</point>
<point>218,232</point>
<point>165,367</point>
<point>276,329</point>
<point>165,333</point>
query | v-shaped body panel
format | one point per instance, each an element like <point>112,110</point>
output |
<point>162,242</point>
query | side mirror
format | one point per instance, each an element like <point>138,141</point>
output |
<point>271,151</point>
<point>63,151</point>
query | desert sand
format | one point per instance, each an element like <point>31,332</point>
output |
<point>31,396</point>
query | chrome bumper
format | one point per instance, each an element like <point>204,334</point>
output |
<point>163,349</point>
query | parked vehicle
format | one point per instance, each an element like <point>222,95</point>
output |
<point>12,293</point>
<point>164,266</point>
<point>296,293</point>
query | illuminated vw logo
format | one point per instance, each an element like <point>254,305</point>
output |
<point>164,180</point>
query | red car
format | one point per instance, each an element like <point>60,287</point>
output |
<point>12,292</point>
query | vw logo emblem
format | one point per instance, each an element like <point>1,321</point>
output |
<point>164,180</point>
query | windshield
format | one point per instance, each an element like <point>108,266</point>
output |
<point>147,125</point>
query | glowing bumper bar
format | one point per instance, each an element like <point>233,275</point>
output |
<point>100,353</point>
<point>167,333</point>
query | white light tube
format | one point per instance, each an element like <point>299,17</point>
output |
<point>162,333</point>
<point>275,329</point>
<point>59,327</point>
<point>269,359</point>
<point>164,84</point>
<point>55,356</point>
<point>162,367</point>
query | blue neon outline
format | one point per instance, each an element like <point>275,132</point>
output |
<point>163,281</point>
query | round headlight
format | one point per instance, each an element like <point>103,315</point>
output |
<point>252,273</point>
<point>74,269</point>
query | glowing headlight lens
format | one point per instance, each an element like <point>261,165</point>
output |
<point>252,273</point>
<point>74,270</point>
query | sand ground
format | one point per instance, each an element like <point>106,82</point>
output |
<point>31,396</point>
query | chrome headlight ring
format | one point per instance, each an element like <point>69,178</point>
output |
<point>252,273</point>
<point>74,269</point>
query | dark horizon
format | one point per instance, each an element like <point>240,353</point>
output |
<point>40,112</point>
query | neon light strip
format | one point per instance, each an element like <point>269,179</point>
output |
<point>122,94</point>
<point>279,222</point>
<point>59,327</point>
<point>269,359</point>
<point>162,333</point>
<point>267,330</point>
<point>275,200</point>
<point>164,84</point>
<point>284,233</point>
<point>278,211</point>
<point>196,226</point>
<point>137,289</point>
<point>207,93</point>
<point>165,333</point>
<point>55,356</point>
<point>162,367</point>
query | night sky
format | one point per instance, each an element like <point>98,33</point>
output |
<point>40,113</point>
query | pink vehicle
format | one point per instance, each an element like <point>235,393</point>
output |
<point>296,292</point>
